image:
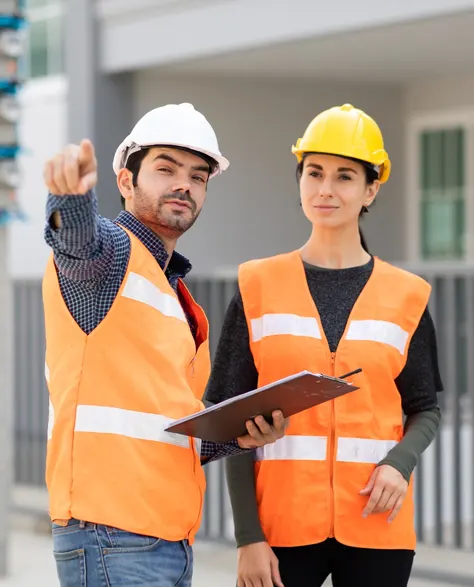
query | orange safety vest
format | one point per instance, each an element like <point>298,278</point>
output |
<point>308,482</point>
<point>113,393</point>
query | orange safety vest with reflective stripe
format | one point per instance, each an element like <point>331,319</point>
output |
<point>113,393</point>
<point>308,482</point>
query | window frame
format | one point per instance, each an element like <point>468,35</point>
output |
<point>55,9</point>
<point>436,121</point>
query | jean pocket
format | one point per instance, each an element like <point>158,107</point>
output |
<point>60,530</point>
<point>71,567</point>
<point>123,541</point>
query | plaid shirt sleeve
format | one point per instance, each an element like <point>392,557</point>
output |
<point>213,451</point>
<point>83,245</point>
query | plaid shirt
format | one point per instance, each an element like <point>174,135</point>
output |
<point>92,253</point>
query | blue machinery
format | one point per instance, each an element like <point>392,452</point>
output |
<point>12,49</point>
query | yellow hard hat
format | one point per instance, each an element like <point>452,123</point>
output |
<point>347,132</point>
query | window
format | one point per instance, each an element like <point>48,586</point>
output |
<point>443,194</point>
<point>45,43</point>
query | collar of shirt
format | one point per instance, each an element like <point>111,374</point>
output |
<point>178,266</point>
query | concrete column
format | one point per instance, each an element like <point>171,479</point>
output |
<point>100,107</point>
<point>6,401</point>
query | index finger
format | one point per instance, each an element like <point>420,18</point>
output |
<point>373,501</point>
<point>86,152</point>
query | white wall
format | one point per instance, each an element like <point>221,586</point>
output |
<point>169,31</point>
<point>441,93</point>
<point>42,133</point>
<point>253,209</point>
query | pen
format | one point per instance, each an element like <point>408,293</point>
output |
<point>350,373</point>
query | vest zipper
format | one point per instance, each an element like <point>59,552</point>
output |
<point>332,443</point>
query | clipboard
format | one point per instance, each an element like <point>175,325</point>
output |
<point>225,421</point>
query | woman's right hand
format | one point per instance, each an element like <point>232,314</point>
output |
<point>258,566</point>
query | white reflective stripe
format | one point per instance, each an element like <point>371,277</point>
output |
<point>140,289</point>
<point>50,420</point>
<point>198,444</point>
<point>363,450</point>
<point>379,331</point>
<point>294,448</point>
<point>141,425</point>
<point>46,371</point>
<point>274,324</point>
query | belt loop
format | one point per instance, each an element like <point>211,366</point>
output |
<point>82,524</point>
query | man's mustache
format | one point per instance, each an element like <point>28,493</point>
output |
<point>182,196</point>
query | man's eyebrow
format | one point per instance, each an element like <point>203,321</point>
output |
<point>166,157</point>
<point>202,168</point>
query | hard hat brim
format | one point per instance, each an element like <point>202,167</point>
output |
<point>385,166</point>
<point>222,162</point>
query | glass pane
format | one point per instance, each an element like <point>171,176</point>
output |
<point>38,49</point>
<point>443,229</point>
<point>453,158</point>
<point>443,194</point>
<point>55,42</point>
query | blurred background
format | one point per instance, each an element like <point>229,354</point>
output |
<point>259,71</point>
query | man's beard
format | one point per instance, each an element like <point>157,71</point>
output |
<point>176,222</point>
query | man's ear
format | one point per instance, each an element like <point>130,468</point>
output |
<point>125,183</point>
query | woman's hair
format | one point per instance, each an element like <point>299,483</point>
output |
<point>371,175</point>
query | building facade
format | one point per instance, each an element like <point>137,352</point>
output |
<point>260,71</point>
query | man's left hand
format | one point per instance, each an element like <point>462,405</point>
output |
<point>260,432</point>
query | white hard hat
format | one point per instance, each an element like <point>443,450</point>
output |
<point>177,125</point>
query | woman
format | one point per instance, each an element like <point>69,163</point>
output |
<point>334,497</point>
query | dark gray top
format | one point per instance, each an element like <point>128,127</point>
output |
<point>335,292</point>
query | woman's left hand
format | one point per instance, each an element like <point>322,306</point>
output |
<point>387,489</point>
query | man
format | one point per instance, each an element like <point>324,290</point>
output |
<point>127,353</point>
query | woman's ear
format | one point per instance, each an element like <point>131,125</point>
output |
<point>125,183</point>
<point>372,191</point>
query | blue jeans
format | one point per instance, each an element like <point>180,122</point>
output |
<point>92,555</point>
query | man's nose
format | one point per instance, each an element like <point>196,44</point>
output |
<point>181,184</point>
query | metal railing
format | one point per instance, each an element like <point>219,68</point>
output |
<point>444,479</point>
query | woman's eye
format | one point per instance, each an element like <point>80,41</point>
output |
<point>346,177</point>
<point>166,169</point>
